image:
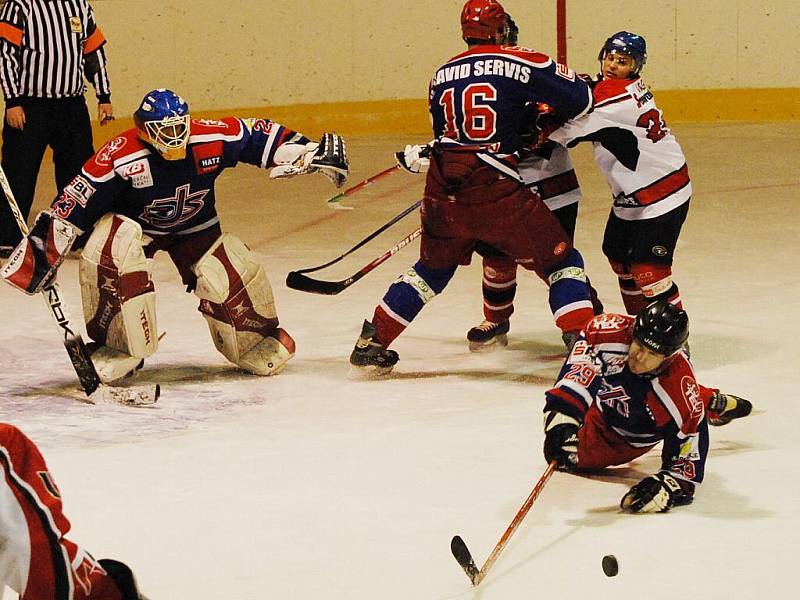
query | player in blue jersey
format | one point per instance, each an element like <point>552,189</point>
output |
<point>627,386</point>
<point>151,188</point>
<point>474,192</point>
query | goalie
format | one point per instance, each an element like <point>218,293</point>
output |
<point>152,188</point>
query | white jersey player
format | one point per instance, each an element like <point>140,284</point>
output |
<point>645,168</point>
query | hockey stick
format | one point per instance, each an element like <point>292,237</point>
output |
<point>462,553</point>
<point>371,236</point>
<point>297,281</point>
<point>76,348</point>
<point>336,201</point>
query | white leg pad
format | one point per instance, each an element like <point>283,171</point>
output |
<point>237,302</point>
<point>116,285</point>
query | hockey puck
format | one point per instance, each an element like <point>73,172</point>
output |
<point>610,565</point>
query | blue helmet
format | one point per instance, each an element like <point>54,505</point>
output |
<point>162,121</point>
<point>627,43</point>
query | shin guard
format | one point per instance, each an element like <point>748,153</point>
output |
<point>117,289</point>
<point>237,302</point>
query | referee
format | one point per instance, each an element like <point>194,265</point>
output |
<point>47,47</point>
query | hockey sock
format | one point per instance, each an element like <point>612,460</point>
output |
<point>405,299</point>
<point>569,294</point>
<point>499,288</point>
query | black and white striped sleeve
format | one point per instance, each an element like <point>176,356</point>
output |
<point>11,32</point>
<point>95,61</point>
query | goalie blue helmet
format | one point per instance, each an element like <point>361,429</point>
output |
<point>162,120</point>
<point>627,43</point>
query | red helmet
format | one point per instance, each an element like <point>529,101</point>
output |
<point>485,21</point>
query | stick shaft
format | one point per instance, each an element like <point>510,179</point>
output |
<point>526,506</point>
<point>370,237</point>
<point>76,348</point>
<point>361,185</point>
<point>296,280</point>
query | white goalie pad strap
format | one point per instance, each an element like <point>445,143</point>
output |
<point>235,297</point>
<point>119,302</point>
<point>567,273</point>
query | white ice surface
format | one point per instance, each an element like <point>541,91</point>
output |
<point>311,485</point>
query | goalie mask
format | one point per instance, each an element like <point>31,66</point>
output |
<point>629,44</point>
<point>162,121</point>
<point>484,21</point>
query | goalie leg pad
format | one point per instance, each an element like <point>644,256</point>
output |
<point>237,302</point>
<point>119,300</point>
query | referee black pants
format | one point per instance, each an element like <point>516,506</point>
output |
<point>61,123</point>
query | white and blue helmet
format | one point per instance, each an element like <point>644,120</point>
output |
<point>162,121</point>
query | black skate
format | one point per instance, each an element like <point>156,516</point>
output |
<point>370,357</point>
<point>487,335</point>
<point>724,408</point>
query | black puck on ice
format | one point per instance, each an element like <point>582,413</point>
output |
<point>610,565</point>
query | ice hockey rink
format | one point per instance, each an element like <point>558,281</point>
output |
<point>312,485</point>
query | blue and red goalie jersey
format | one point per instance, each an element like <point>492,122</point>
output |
<point>128,177</point>
<point>478,97</point>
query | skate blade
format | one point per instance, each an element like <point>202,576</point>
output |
<point>368,373</point>
<point>499,341</point>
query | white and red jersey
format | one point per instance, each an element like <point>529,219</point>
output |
<point>36,560</point>
<point>128,177</point>
<point>638,154</point>
<point>642,410</point>
<point>548,171</point>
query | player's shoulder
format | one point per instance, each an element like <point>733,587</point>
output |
<point>119,148</point>
<point>610,325</point>
<point>491,50</point>
<point>678,389</point>
<point>224,129</point>
<point>609,91</point>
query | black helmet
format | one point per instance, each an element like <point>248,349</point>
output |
<point>662,327</point>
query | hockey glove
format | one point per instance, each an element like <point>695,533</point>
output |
<point>561,440</point>
<point>330,159</point>
<point>657,493</point>
<point>33,264</point>
<point>415,158</point>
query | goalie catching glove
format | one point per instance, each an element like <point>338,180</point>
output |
<point>33,264</point>
<point>657,493</point>
<point>561,440</point>
<point>415,158</point>
<point>328,157</point>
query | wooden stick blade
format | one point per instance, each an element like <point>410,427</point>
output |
<point>464,558</point>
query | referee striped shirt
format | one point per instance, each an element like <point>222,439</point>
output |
<point>48,47</point>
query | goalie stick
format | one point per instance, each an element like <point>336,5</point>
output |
<point>336,201</point>
<point>297,281</point>
<point>462,553</point>
<point>95,390</point>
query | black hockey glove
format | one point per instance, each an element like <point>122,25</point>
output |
<point>657,493</point>
<point>561,440</point>
<point>330,159</point>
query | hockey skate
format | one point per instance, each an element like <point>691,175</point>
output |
<point>569,338</point>
<point>113,365</point>
<point>488,335</point>
<point>370,358</point>
<point>724,408</point>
